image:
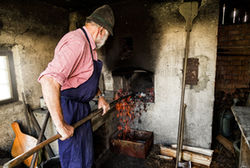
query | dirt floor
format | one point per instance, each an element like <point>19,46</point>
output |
<point>221,159</point>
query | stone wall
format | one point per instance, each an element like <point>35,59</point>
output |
<point>31,31</point>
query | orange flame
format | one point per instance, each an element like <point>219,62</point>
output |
<point>125,115</point>
<point>130,108</point>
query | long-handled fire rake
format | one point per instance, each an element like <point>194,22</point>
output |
<point>17,160</point>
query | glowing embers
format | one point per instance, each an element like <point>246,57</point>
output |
<point>131,108</point>
<point>126,140</point>
<point>137,146</point>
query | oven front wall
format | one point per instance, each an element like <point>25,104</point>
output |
<point>155,40</point>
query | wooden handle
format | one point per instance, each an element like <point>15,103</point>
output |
<point>16,128</point>
<point>34,158</point>
<point>38,129</point>
<point>26,115</point>
<point>19,159</point>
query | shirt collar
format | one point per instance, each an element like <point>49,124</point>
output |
<point>92,42</point>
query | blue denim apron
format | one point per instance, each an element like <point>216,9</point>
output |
<point>77,151</point>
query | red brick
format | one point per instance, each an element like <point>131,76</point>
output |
<point>244,68</point>
<point>234,32</point>
<point>247,36</point>
<point>229,68</point>
<point>230,86</point>
<point>241,78</point>
<point>223,72</point>
<point>236,62</point>
<point>240,43</point>
<point>236,37</point>
<point>246,30</point>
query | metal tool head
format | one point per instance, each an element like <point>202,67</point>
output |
<point>189,11</point>
<point>185,164</point>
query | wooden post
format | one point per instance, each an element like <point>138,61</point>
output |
<point>226,143</point>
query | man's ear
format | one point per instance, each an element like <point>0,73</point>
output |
<point>102,31</point>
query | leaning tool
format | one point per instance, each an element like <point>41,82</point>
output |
<point>34,158</point>
<point>26,115</point>
<point>25,155</point>
<point>37,127</point>
<point>189,11</point>
<point>180,142</point>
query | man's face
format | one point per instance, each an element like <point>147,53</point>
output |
<point>101,39</point>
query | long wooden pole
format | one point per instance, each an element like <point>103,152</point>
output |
<point>19,159</point>
<point>38,130</point>
<point>189,11</point>
<point>180,135</point>
<point>182,111</point>
<point>34,158</point>
<point>26,114</point>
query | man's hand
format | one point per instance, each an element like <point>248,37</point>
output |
<point>102,103</point>
<point>65,130</point>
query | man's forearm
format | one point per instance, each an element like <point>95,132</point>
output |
<point>51,94</point>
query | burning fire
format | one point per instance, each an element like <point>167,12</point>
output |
<point>131,108</point>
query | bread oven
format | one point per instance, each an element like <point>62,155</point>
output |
<point>139,83</point>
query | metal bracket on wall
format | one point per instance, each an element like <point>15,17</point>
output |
<point>192,71</point>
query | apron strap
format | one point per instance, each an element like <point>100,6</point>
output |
<point>88,41</point>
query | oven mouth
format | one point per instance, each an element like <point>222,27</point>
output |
<point>134,79</point>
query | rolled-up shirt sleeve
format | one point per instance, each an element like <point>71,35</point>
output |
<point>66,57</point>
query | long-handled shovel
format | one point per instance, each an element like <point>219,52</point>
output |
<point>25,155</point>
<point>189,11</point>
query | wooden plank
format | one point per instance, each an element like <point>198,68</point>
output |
<point>242,116</point>
<point>244,160</point>
<point>226,143</point>
<point>203,151</point>
<point>165,157</point>
<point>187,156</point>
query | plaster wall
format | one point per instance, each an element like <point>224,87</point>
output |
<point>31,31</point>
<point>158,33</point>
<point>163,116</point>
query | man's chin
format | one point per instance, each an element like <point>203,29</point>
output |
<point>98,46</point>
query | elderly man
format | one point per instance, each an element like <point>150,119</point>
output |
<point>71,80</point>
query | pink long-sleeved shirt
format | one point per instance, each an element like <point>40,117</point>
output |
<point>72,64</point>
